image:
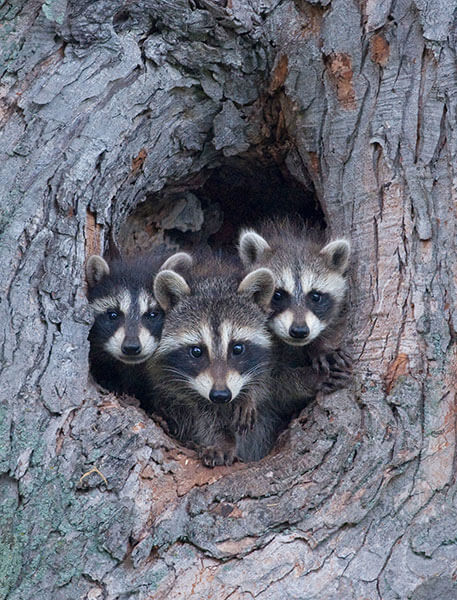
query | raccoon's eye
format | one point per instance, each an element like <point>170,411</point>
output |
<point>151,314</point>
<point>112,315</point>
<point>237,349</point>
<point>196,351</point>
<point>315,296</point>
<point>279,295</point>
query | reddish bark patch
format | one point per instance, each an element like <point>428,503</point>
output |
<point>397,368</point>
<point>314,161</point>
<point>380,50</point>
<point>280,73</point>
<point>281,129</point>
<point>138,427</point>
<point>313,24</point>
<point>138,161</point>
<point>340,72</point>
<point>225,509</point>
<point>93,230</point>
<point>192,473</point>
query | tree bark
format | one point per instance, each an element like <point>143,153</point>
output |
<point>107,104</point>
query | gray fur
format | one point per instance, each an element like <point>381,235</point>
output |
<point>295,254</point>
<point>125,286</point>
<point>179,261</point>
<point>258,285</point>
<point>169,288</point>
<point>244,428</point>
<point>96,269</point>
<point>337,254</point>
<point>252,247</point>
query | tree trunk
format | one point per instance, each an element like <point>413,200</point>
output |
<point>115,113</point>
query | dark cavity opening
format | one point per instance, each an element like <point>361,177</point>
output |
<point>212,206</point>
<point>120,20</point>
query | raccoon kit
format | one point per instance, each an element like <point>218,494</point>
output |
<point>308,307</point>
<point>224,355</point>
<point>128,320</point>
<point>213,361</point>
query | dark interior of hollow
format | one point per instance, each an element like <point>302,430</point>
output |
<point>212,206</point>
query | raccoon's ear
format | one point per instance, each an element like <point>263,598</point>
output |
<point>169,288</point>
<point>177,262</point>
<point>96,269</point>
<point>259,285</point>
<point>336,254</point>
<point>252,247</point>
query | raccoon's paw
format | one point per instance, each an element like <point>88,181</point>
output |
<point>336,360</point>
<point>213,456</point>
<point>341,359</point>
<point>337,379</point>
<point>321,365</point>
<point>163,423</point>
<point>244,417</point>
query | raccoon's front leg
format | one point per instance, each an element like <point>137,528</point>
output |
<point>214,441</point>
<point>334,359</point>
<point>296,383</point>
<point>336,367</point>
<point>218,455</point>
<point>245,414</point>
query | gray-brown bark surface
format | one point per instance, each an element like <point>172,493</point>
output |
<point>104,104</point>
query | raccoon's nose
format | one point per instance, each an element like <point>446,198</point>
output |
<point>220,396</point>
<point>131,348</point>
<point>298,331</point>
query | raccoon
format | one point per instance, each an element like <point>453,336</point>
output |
<point>128,320</point>
<point>211,373</point>
<point>308,306</point>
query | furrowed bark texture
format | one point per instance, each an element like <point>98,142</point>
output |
<point>104,104</point>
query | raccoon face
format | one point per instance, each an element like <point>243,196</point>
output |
<point>127,325</point>
<point>215,343</point>
<point>216,360</point>
<point>309,290</point>
<point>128,321</point>
<point>299,318</point>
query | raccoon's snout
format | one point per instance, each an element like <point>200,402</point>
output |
<point>131,347</point>
<point>220,396</point>
<point>299,331</point>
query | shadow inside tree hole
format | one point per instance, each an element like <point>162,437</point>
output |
<point>212,206</point>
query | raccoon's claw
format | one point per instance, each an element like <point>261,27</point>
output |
<point>341,359</point>
<point>215,457</point>
<point>244,417</point>
<point>321,364</point>
<point>336,360</point>
<point>336,380</point>
<point>163,423</point>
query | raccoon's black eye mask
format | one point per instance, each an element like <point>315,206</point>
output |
<point>319,302</point>
<point>246,355</point>
<point>280,300</point>
<point>151,314</point>
<point>188,360</point>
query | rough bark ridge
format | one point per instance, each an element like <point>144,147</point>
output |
<point>103,103</point>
